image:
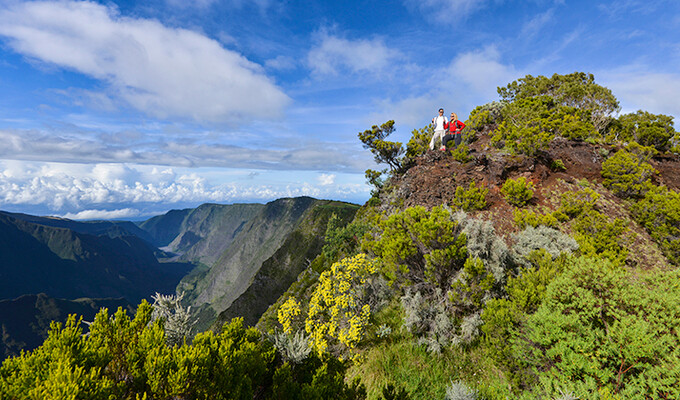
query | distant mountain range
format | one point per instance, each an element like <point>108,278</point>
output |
<point>233,260</point>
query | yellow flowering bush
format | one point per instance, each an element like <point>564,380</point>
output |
<point>337,312</point>
<point>287,313</point>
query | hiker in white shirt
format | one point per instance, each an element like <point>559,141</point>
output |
<point>439,121</point>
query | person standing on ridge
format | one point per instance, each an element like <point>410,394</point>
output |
<point>455,128</point>
<point>439,123</point>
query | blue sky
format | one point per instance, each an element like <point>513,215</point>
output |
<point>124,109</point>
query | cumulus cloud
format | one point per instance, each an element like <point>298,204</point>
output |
<point>482,71</point>
<point>161,71</point>
<point>91,191</point>
<point>333,54</point>
<point>326,179</point>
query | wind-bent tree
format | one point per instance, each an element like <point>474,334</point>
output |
<point>385,152</point>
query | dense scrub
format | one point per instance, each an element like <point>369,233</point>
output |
<point>506,289</point>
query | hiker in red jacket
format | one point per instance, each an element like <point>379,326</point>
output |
<point>453,132</point>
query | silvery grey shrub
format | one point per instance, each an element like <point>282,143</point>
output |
<point>294,348</point>
<point>458,390</point>
<point>177,320</point>
<point>542,237</point>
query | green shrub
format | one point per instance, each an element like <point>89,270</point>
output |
<point>573,203</point>
<point>557,165</point>
<point>461,153</point>
<point>628,172</point>
<point>524,218</point>
<point>503,317</point>
<point>128,358</point>
<point>527,126</point>
<point>419,246</point>
<point>518,192</point>
<point>419,142</point>
<point>599,328</point>
<point>485,115</point>
<point>342,241</point>
<point>471,287</point>
<point>659,213</point>
<point>597,234</point>
<point>577,90</point>
<point>654,130</point>
<point>470,199</point>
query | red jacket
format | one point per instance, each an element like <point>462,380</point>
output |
<point>454,127</point>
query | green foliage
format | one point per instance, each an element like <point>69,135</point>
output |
<point>315,379</point>
<point>574,203</point>
<point>597,234</point>
<point>374,178</point>
<point>471,287</point>
<point>390,392</point>
<point>342,241</point>
<point>461,153</point>
<point>518,192</point>
<point>384,151</point>
<point>647,129</point>
<point>577,90</point>
<point>128,358</point>
<point>659,213</point>
<point>528,126</point>
<point>524,218</point>
<point>503,317</point>
<point>599,328</point>
<point>628,172</point>
<point>419,246</point>
<point>419,142</point>
<point>472,198</point>
<point>485,115</point>
<point>557,165</point>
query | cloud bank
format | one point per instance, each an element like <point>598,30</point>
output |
<point>124,191</point>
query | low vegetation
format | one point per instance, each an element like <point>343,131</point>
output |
<point>433,303</point>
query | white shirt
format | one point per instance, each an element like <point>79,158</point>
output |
<point>439,122</point>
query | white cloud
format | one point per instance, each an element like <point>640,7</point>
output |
<point>482,71</point>
<point>334,54</point>
<point>34,145</point>
<point>161,71</point>
<point>103,214</point>
<point>638,88</point>
<point>82,191</point>
<point>326,179</point>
